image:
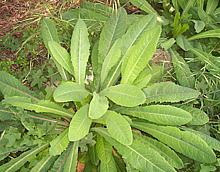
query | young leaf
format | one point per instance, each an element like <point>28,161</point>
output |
<point>61,56</point>
<point>144,5</point>
<point>199,25</point>
<point>80,50</point>
<point>139,155</point>
<point>98,106</point>
<point>169,92</point>
<point>16,163</point>
<point>160,114</point>
<point>41,106</point>
<point>80,124</point>
<point>71,160</point>
<point>183,74</point>
<point>208,34</point>
<point>171,157</point>
<point>113,29</point>
<point>10,86</point>
<point>119,128</point>
<point>44,164</point>
<point>59,144</point>
<point>125,95</point>
<point>139,55</point>
<point>183,142</point>
<point>70,91</point>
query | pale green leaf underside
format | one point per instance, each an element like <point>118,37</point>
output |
<point>183,142</point>
<point>169,92</point>
<point>125,95</point>
<point>160,114</point>
<point>40,106</point>
<point>70,91</point>
<point>80,124</point>
<point>119,128</point>
<point>59,144</point>
<point>80,50</point>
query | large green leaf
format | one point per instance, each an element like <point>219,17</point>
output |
<point>59,144</point>
<point>113,29</point>
<point>211,6</point>
<point>208,34</point>
<point>16,163</point>
<point>125,95</point>
<point>141,156</point>
<point>80,124</point>
<point>119,128</point>
<point>169,92</point>
<point>70,91</point>
<point>144,5</point>
<point>164,151</point>
<point>71,160</point>
<point>98,106</point>
<point>61,55</point>
<point>108,167</point>
<point>184,142</point>
<point>160,114</point>
<point>40,106</point>
<point>5,113</point>
<point>139,55</point>
<point>10,86</point>
<point>80,51</point>
<point>133,34</point>
<point>183,74</point>
<point>44,164</point>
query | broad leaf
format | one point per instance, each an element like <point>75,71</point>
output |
<point>44,164</point>
<point>40,106</point>
<point>139,55</point>
<point>71,160</point>
<point>70,91</point>
<point>61,55</point>
<point>169,92</point>
<point>183,74</point>
<point>187,6</point>
<point>108,167</point>
<point>80,124</point>
<point>16,163</point>
<point>183,43</point>
<point>160,114</point>
<point>125,95</point>
<point>5,113</point>
<point>98,106</point>
<point>208,34</point>
<point>119,128</point>
<point>211,6</point>
<point>139,155</point>
<point>183,142</point>
<point>10,86</point>
<point>59,144</point>
<point>144,5</point>
<point>80,51</point>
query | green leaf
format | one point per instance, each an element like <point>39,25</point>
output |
<point>169,92</point>
<point>98,106</point>
<point>70,91</point>
<point>139,155</point>
<point>187,7</point>
<point>119,128</point>
<point>108,167</point>
<point>184,142</point>
<point>44,164</point>
<point>80,124</point>
<point>144,5</point>
<point>183,43</point>
<point>113,29</point>
<point>183,74</point>
<point>59,144</point>
<point>71,160</point>
<point>168,43</point>
<point>198,116</point>
<point>171,157</point>
<point>160,114</point>
<point>40,106</point>
<point>211,6</point>
<point>61,55</point>
<point>10,86</point>
<point>143,79</point>
<point>5,113</point>
<point>133,34</point>
<point>16,163</point>
<point>199,25</point>
<point>208,34</point>
<point>139,55</point>
<point>125,95</point>
<point>80,51</point>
